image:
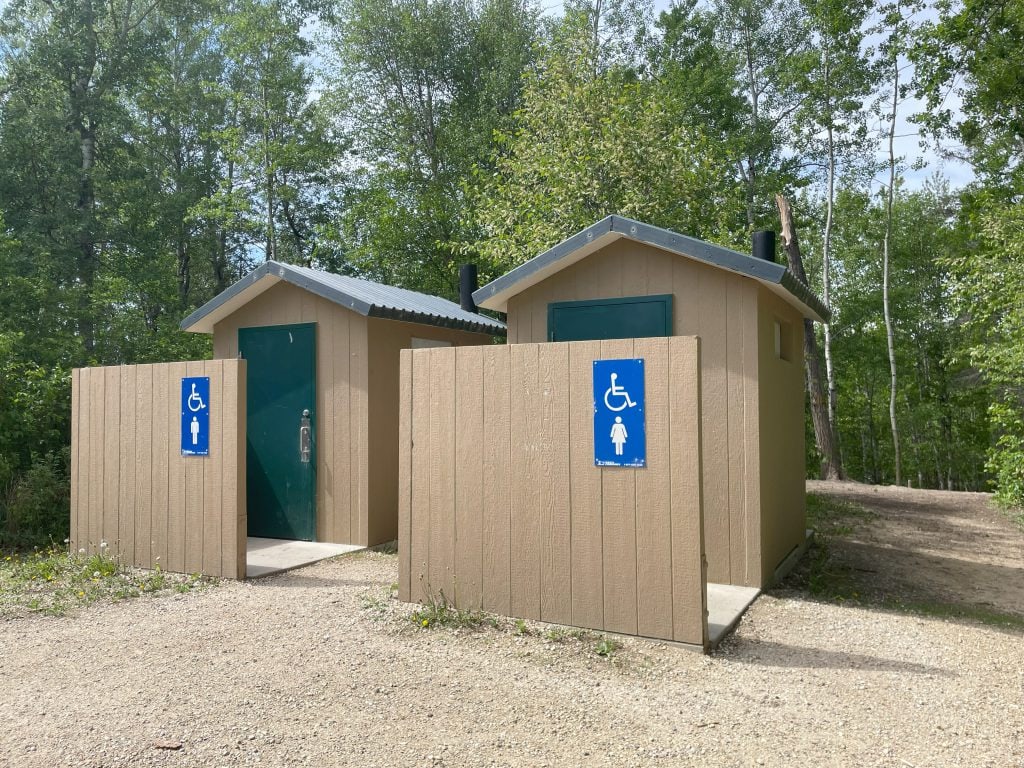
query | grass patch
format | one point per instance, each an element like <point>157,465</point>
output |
<point>829,516</point>
<point>53,582</point>
<point>819,573</point>
<point>824,576</point>
<point>439,613</point>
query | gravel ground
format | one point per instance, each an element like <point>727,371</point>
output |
<point>314,667</point>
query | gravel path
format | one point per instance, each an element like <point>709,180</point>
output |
<point>298,669</point>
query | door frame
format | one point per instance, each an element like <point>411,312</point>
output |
<point>314,414</point>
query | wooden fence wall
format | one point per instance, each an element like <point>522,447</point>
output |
<point>132,488</point>
<point>502,508</point>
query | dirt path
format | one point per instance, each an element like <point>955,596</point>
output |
<point>315,668</point>
<point>932,547</point>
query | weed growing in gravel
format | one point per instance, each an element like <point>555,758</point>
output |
<point>564,634</point>
<point>606,647</point>
<point>53,581</point>
<point>438,612</point>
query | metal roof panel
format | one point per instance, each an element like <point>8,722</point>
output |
<point>362,296</point>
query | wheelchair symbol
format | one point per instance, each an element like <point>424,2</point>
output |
<point>196,399</point>
<point>616,391</point>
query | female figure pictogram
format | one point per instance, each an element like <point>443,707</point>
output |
<point>619,435</point>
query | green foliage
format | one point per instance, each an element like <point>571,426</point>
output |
<point>588,144</point>
<point>422,87</point>
<point>974,50</point>
<point>606,647</point>
<point>940,404</point>
<point>34,510</point>
<point>53,582</point>
<point>988,288</point>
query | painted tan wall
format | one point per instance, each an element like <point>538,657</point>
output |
<point>721,308</point>
<point>783,474</point>
<point>130,485</point>
<point>502,508</point>
<point>357,404</point>
<point>386,340</point>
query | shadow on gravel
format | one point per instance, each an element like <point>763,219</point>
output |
<point>773,654</point>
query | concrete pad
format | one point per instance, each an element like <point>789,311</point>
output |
<point>266,556</point>
<point>726,605</point>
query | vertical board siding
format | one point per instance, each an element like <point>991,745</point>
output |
<point>175,471</point>
<point>502,507</point>
<point>525,419</point>
<point>404,475</point>
<point>721,308</point>
<point>555,545</point>
<point>420,468</point>
<point>74,535</point>
<point>143,463</point>
<point>496,526</point>
<point>653,496</point>
<point>469,407</point>
<point>618,490</point>
<point>132,488</point>
<point>586,569</point>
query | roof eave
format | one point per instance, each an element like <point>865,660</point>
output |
<point>496,294</point>
<point>230,300</point>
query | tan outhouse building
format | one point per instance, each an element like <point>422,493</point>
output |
<point>322,360</point>
<point>622,279</point>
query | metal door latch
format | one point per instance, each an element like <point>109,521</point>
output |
<point>305,438</point>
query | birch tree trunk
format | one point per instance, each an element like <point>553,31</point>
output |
<point>824,435</point>
<point>886,243</point>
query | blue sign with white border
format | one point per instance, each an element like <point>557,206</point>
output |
<point>620,436</point>
<point>195,416</point>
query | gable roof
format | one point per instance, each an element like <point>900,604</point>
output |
<point>775,277</point>
<point>362,296</point>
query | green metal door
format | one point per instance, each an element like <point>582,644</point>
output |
<point>281,430</point>
<point>629,318</point>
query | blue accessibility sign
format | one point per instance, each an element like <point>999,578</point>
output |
<point>620,437</point>
<point>195,416</point>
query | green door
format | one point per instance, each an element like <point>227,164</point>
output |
<point>634,317</point>
<point>280,475</point>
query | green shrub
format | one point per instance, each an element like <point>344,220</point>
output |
<point>35,506</point>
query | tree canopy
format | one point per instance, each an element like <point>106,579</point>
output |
<point>153,153</point>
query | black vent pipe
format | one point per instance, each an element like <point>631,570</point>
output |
<point>764,244</point>
<point>467,284</point>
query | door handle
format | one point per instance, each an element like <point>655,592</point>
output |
<point>305,438</point>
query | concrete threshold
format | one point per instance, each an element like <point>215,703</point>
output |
<point>726,606</point>
<point>264,557</point>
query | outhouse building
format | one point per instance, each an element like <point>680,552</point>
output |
<point>322,361</point>
<point>621,279</point>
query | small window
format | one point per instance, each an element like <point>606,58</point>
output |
<point>426,343</point>
<point>783,333</point>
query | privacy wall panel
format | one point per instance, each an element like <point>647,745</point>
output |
<point>132,488</point>
<point>503,509</point>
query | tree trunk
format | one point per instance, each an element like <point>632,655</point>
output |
<point>824,435</point>
<point>890,338</point>
<point>826,290</point>
<point>268,171</point>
